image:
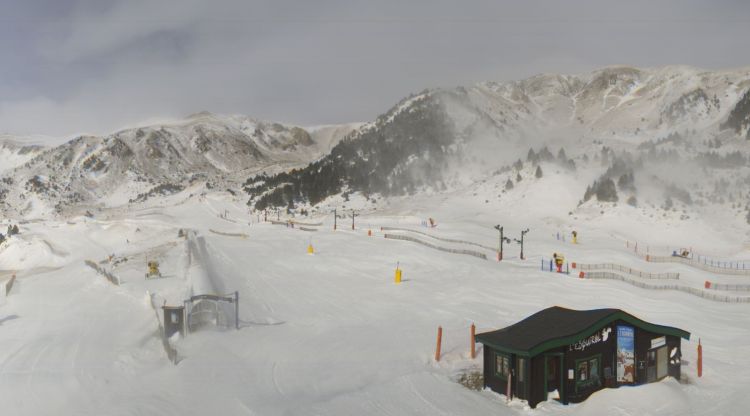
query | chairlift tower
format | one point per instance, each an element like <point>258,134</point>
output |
<point>523,233</point>
<point>502,239</point>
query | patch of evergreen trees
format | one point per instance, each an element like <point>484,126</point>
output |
<point>739,117</point>
<point>394,158</point>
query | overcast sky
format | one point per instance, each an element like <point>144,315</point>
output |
<point>73,66</point>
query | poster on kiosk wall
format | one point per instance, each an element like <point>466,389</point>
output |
<point>625,354</point>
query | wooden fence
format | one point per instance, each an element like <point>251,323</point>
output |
<point>112,278</point>
<point>447,240</point>
<point>666,286</point>
<point>242,235</point>
<point>698,265</point>
<point>445,249</point>
<point>727,287</point>
<point>628,270</point>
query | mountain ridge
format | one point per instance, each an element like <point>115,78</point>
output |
<point>438,138</point>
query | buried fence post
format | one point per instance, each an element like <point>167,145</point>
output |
<point>237,310</point>
<point>700,358</point>
<point>439,340</point>
<point>473,342</point>
<point>508,389</point>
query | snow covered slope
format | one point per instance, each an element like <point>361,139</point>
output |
<point>330,333</point>
<point>16,151</point>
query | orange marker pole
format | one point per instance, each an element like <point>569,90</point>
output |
<point>700,358</point>
<point>439,340</point>
<point>473,342</point>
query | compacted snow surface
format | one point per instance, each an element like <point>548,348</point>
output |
<point>328,333</point>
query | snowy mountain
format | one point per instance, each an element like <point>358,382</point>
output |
<point>652,132</point>
<point>134,164</point>
<point>646,135</point>
<point>17,151</point>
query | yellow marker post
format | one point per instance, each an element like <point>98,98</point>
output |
<point>310,249</point>
<point>397,276</point>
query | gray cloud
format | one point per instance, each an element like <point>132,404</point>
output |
<point>95,66</point>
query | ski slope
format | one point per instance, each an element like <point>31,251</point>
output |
<point>328,333</point>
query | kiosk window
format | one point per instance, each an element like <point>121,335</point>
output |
<point>661,362</point>
<point>587,372</point>
<point>502,365</point>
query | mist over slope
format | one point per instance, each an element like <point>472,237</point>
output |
<point>665,138</point>
<point>670,139</point>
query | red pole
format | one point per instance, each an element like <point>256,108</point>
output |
<point>473,342</point>
<point>700,358</point>
<point>439,340</point>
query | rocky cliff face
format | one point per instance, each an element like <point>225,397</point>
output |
<point>124,166</point>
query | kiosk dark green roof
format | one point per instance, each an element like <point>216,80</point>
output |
<point>544,352</point>
<point>556,326</point>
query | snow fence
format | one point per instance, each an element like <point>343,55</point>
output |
<point>727,287</point>
<point>447,250</point>
<point>112,278</point>
<point>9,284</point>
<point>699,265</point>
<point>6,288</point>
<point>666,286</point>
<point>627,270</point>
<point>447,240</point>
<point>241,235</point>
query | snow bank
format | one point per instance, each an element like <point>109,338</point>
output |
<point>20,253</point>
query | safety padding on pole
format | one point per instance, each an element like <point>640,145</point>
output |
<point>397,276</point>
<point>499,256</point>
<point>369,233</point>
<point>581,275</point>
<point>700,358</point>
<point>473,342</point>
<point>707,285</point>
<point>439,340</point>
<point>573,265</point>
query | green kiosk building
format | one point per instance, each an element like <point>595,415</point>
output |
<point>569,354</point>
